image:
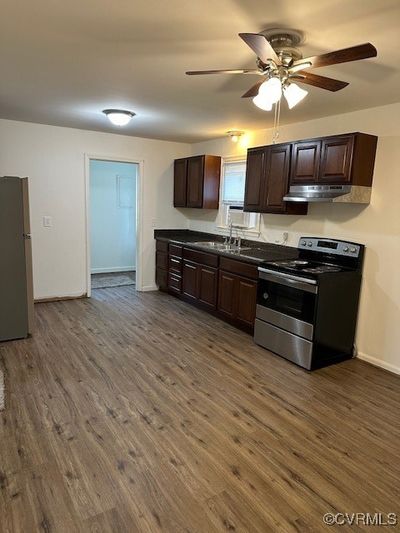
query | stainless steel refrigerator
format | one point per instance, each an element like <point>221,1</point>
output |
<point>16,286</point>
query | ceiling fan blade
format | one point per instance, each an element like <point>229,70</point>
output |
<point>261,46</point>
<point>226,71</point>
<point>253,91</point>
<point>354,53</point>
<point>322,82</point>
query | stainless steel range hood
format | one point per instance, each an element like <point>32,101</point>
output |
<point>354,194</point>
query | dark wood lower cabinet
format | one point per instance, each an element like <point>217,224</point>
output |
<point>208,280</point>
<point>229,291</point>
<point>226,294</point>
<point>190,280</point>
<point>162,279</point>
<point>237,298</point>
<point>246,301</point>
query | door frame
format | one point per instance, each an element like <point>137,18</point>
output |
<point>139,214</point>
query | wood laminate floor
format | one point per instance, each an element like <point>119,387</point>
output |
<point>134,412</point>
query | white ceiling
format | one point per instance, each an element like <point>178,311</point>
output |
<point>62,62</point>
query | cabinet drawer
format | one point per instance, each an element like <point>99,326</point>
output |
<point>175,250</point>
<point>174,282</point>
<point>239,267</point>
<point>203,258</point>
<point>161,246</point>
<point>175,265</point>
<point>162,260</point>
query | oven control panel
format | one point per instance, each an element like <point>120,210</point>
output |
<point>330,246</point>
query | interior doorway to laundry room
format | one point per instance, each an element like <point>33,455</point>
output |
<point>112,223</point>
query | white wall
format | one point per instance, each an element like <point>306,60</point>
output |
<point>54,160</point>
<point>376,225</point>
<point>112,195</point>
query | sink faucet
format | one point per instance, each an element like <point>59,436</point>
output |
<point>230,233</point>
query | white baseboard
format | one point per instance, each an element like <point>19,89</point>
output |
<point>112,269</point>
<point>378,362</point>
<point>147,288</point>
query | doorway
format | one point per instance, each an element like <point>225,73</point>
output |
<point>112,223</point>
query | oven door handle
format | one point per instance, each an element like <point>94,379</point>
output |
<point>304,284</point>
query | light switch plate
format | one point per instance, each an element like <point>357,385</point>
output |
<point>47,222</point>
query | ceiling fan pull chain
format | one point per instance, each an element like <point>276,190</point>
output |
<point>277,115</point>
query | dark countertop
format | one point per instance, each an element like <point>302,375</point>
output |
<point>258,253</point>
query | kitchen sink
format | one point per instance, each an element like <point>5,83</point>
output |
<point>216,245</point>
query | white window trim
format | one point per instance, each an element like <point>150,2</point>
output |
<point>255,231</point>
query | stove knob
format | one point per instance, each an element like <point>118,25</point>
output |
<point>303,243</point>
<point>346,249</point>
<point>309,243</point>
<point>353,250</point>
<point>265,296</point>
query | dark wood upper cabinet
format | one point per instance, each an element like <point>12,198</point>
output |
<point>267,181</point>
<point>254,179</point>
<point>277,166</point>
<point>180,185</point>
<point>196,182</point>
<point>195,178</point>
<point>305,162</point>
<point>336,160</point>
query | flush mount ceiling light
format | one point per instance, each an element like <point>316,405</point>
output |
<point>235,135</point>
<point>119,117</point>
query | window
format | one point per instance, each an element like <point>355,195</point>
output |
<point>234,175</point>
<point>232,197</point>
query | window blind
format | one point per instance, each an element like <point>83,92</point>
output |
<point>234,181</point>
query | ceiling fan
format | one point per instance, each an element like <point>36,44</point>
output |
<point>280,62</point>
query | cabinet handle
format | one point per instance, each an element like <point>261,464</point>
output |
<point>174,260</point>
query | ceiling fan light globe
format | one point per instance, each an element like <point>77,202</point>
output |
<point>262,102</point>
<point>294,94</point>
<point>272,89</point>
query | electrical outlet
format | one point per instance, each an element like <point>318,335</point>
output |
<point>47,221</point>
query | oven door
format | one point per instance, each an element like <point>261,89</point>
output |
<point>287,301</point>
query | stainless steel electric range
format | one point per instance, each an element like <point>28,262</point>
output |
<point>307,307</point>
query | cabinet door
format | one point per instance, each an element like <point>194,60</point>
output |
<point>226,294</point>
<point>254,180</point>
<point>208,286</point>
<point>336,159</point>
<point>305,162</point>
<point>195,179</point>
<point>277,164</point>
<point>190,280</point>
<point>246,290</point>
<point>180,171</point>
<point>161,279</point>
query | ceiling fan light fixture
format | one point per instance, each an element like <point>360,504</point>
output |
<point>119,117</point>
<point>294,94</point>
<point>271,89</point>
<point>263,102</point>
